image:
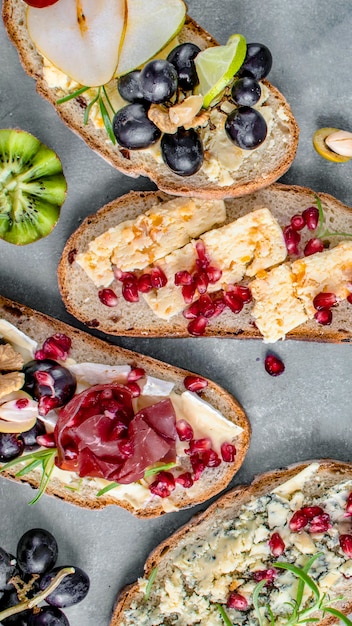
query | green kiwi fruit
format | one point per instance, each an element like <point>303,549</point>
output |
<point>32,187</point>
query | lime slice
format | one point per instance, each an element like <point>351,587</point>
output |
<point>217,66</point>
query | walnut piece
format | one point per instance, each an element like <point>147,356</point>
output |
<point>13,381</point>
<point>159,115</point>
<point>9,359</point>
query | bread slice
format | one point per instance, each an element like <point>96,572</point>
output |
<point>223,550</point>
<point>261,166</point>
<point>80,295</point>
<point>139,501</point>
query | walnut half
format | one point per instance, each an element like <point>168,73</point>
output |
<point>10,361</point>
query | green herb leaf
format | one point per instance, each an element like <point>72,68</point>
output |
<point>72,95</point>
<point>151,579</point>
<point>258,588</point>
<point>321,223</point>
<point>89,107</point>
<point>224,615</point>
<point>107,488</point>
<point>106,120</point>
<point>344,619</point>
<point>300,573</point>
<point>151,471</point>
<point>44,458</point>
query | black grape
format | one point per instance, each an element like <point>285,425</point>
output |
<point>182,58</point>
<point>36,551</point>
<point>129,86</point>
<point>258,61</point>
<point>182,151</point>
<point>7,569</point>
<point>246,91</point>
<point>72,589</point>
<point>246,127</point>
<point>48,382</point>
<point>158,81</point>
<point>48,616</point>
<point>133,129</point>
<point>11,446</point>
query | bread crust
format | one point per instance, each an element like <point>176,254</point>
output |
<point>88,348</point>
<point>274,161</point>
<point>330,470</point>
<point>80,295</point>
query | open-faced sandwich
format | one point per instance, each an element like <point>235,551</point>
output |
<point>154,94</point>
<point>271,264</point>
<point>95,424</point>
<point>278,552</point>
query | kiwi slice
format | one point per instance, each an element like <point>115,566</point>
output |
<point>32,187</point>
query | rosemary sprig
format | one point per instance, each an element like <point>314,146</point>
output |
<point>299,614</point>
<point>102,98</point>
<point>43,458</point>
<point>224,615</point>
<point>151,579</point>
<point>321,224</point>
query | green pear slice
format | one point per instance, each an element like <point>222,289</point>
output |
<point>149,27</point>
<point>80,37</point>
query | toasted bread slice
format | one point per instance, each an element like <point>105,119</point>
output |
<point>134,497</point>
<point>254,168</point>
<point>225,551</point>
<point>80,294</point>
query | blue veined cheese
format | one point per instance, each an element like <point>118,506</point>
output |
<point>134,244</point>
<point>250,244</point>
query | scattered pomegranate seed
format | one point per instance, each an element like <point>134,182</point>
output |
<point>312,511</point>
<point>130,289</point>
<point>183,278</point>
<point>199,445</point>
<point>349,298</point>
<point>214,274</point>
<point>311,217</point>
<point>195,383</point>
<point>125,448</point>
<point>292,239</point>
<point>203,261</point>
<point>234,302</point>
<point>192,310</point>
<point>346,545</point>
<point>324,317</point>
<point>313,246</point>
<point>211,458</point>
<point>163,485</point>
<point>324,300</point>
<point>237,601</point>
<point>297,222</point>
<point>188,292</point>
<point>242,291</point>
<point>45,378</point>
<point>219,306</point>
<point>158,278</point>
<point>136,373</point>
<point>197,326</point>
<point>184,430</point>
<point>206,305</point>
<point>320,523</point>
<point>108,297</point>
<point>298,521</point>
<point>21,403</point>
<point>273,365</point>
<point>121,275</point>
<point>276,544</point>
<point>198,466</point>
<point>228,452</point>
<point>55,347</point>
<point>185,480</point>
<point>134,389</point>
<point>265,574</point>
<point>144,283</point>
<point>201,281</point>
<point>47,440</point>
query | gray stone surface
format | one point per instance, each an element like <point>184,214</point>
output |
<point>305,413</point>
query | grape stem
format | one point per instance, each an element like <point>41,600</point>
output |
<point>30,604</point>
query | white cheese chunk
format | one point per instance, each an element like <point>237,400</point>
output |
<point>19,340</point>
<point>297,482</point>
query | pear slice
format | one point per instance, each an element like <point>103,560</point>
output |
<point>150,26</point>
<point>80,37</point>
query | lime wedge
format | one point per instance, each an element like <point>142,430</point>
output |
<point>217,66</point>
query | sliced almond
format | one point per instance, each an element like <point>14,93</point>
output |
<point>340,142</point>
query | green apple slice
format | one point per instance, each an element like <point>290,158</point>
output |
<point>150,25</point>
<point>217,66</point>
<point>80,37</point>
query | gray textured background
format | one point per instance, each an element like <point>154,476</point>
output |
<point>306,413</point>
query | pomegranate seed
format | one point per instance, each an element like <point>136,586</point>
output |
<point>201,282</point>
<point>192,311</point>
<point>298,521</point>
<point>184,430</point>
<point>120,275</point>
<point>349,298</point>
<point>125,448</point>
<point>292,239</point>
<point>134,389</point>
<point>195,383</point>
<point>197,326</point>
<point>202,262</point>
<point>185,480</point>
<point>158,278</point>
<point>237,601</point>
<point>276,544</point>
<point>198,466</point>
<point>210,458</point>
<point>130,290</point>
<point>228,452</point>
<point>265,574</point>
<point>188,292</point>
<point>320,523</point>
<point>273,365</point>
<point>108,297</point>
<point>47,440</point>
<point>312,511</point>
<point>313,246</point>
<point>21,403</point>
<point>136,373</point>
<point>144,283</point>
<point>243,292</point>
<point>348,509</point>
<point>297,222</point>
<point>206,305</point>
<point>183,278</point>
<point>163,485</point>
<point>324,317</point>
<point>324,300</point>
<point>311,217</point>
<point>198,445</point>
<point>346,545</point>
<point>233,301</point>
<point>55,347</point>
<point>214,274</point>
<point>219,306</point>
